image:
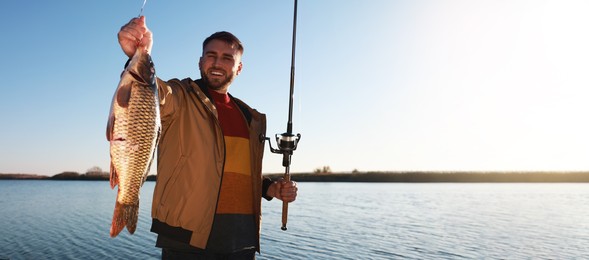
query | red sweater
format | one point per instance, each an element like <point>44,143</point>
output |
<point>236,186</point>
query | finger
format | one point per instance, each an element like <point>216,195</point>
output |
<point>126,36</point>
<point>139,21</point>
<point>290,184</point>
<point>133,32</point>
<point>289,198</point>
<point>288,193</point>
<point>288,187</point>
<point>136,27</point>
<point>147,39</point>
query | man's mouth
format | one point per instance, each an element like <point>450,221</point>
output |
<point>216,73</point>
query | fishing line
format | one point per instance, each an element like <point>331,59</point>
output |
<point>143,6</point>
<point>139,16</point>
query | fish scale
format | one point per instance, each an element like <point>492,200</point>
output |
<point>133,131</point>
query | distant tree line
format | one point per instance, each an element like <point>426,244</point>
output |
<point>78,176</point>
<point>324,169</point>
<point>93,174</point>
<point>324,174</point>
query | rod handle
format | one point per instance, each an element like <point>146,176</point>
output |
<point>285,205</point>
<point>284,215</point>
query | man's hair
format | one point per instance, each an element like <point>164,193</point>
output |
<point>226,37</point>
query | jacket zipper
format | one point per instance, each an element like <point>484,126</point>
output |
<point>218,126</point>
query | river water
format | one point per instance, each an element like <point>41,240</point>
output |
<point>71,220</point>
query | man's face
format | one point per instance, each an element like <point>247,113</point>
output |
<point>219,65</point>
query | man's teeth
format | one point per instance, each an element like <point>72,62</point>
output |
<point>216,73</point>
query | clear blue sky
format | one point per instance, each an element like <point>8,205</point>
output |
<point>380,85</point>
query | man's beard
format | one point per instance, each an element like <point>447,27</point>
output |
<point>217,84</point>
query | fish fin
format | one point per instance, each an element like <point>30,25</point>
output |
<point>110,126</point>
<point>124,95</point>
<point>114,178</point>
<point>124,215</point>
<point>157,140</point>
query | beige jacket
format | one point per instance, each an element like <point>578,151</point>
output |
<point>191,156</point>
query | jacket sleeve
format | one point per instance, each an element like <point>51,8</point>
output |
<point>266,182</point>
<point>168,92</point>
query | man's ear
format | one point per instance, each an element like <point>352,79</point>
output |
<point>239,67</point>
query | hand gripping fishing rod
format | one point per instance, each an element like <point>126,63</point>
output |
<point>287,142</point>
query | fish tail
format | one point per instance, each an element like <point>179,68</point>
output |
<point>124,215</point>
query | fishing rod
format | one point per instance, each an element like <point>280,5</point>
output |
<point>287,142</point>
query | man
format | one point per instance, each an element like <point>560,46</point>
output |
<point>207,198</point>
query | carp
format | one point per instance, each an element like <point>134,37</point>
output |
<point>133,130</point>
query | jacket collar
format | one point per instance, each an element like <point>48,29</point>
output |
<point>245,110</point>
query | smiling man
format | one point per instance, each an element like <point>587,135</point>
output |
<point>221,61</point>
<point>207,198</point>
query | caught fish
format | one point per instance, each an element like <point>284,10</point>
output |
<point>133,130</point>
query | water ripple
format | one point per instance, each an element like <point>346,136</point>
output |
<point>71,220</point>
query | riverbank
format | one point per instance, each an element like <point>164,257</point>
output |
<point>415,176</point>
